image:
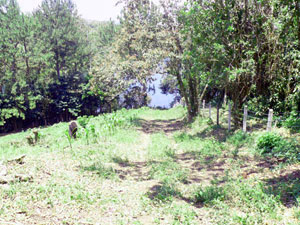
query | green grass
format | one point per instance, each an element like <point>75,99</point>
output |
<point>152,114</point>
<point>147,166</point>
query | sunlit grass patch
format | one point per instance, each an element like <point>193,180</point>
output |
<point>197,146</point>
<point>126,136</point>
<point>160,147</point>
<point>182,214</point>
<point>171,114</point>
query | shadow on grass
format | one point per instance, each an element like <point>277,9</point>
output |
<point>218,132</point>
<point>213,169</point>
<point>122,162</point>
<point>137,171</point>
<point>287,187</point>
<point>256,126</point>
<point>101,170</point>
<point>137,122</point>
<point>164,192</point>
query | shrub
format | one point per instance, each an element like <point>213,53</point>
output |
<point>292,122</point>
<point>274,145</point>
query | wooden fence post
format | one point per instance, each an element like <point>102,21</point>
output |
<point>229,116</point>
<point>245,119</point>
<point>218,114</point>
<point>270,119</point>
<point>210,110</point>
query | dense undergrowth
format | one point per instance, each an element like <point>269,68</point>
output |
<point>148,166</point>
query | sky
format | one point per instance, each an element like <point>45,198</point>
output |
<point>101,10</point>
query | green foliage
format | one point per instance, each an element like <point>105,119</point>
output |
<point>259,65</point>
<point>269,141</point>
<point>239,138</point>
<point>254,196</point>
<point>274,145</point>
<point>293,122</point>
<point>165,192</point>
<point>56,66</point>
<point>83,121</point>
<point>69,138</point>
<point>44,65</point>
<point>209,194</point>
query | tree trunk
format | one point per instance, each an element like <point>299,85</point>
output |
<point>184,94</point>
<point>15,124</point>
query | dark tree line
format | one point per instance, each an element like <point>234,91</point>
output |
<point>45,59</point>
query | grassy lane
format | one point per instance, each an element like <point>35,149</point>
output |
<point>145,167</point>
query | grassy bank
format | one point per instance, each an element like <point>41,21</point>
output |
<point>146,167</point>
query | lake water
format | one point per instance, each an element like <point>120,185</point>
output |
<point>158,99</point>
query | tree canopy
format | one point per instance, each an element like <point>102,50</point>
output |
<point>56,66</point>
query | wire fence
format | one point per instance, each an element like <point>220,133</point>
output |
<point>252,120</point>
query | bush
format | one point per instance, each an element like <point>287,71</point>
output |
<point>274,145</point>
<point>292,122</point>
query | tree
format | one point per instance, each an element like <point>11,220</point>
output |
<point>59,21</point>
<point>15,79</point>
<point>128,61</point>
<point>239,43</point>
<point>66,46</point>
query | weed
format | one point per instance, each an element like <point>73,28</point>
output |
<point>164,192</point>
<point>101,170</point>
<point>170,152</point>
<point>209,194</point>
<point>239,138</point>
<point>253,196</point>
<point>235,152</point>
<point>275,145</point>
<point>293,122</point>
<point>69,139</point>
<point>83,121</point>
